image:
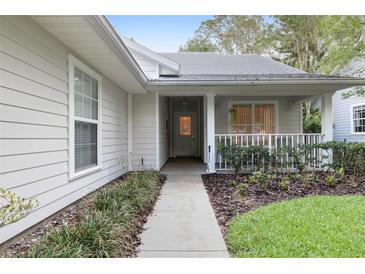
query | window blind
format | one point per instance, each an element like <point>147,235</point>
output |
<point>86,106</point>
<point>253,118</point>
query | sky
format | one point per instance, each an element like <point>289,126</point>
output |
<point>159,33</point>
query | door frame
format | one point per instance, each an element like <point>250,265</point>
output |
<point>195,130</point>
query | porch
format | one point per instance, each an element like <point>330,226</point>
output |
<point>193,126</point>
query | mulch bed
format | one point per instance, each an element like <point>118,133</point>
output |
<point>69,216</point>
<point>227,203</point>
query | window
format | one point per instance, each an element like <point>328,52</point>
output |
<point>358,119</point>
<point>85,122</point>
<point>253,118</point>
<point>185,126</point>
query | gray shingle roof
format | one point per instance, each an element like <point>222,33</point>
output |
<point>210,63</point>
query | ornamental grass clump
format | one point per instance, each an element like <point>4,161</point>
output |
<point>105,230</point>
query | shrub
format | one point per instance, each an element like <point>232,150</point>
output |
<point>351,180</point>
<point>233,183</point>
<point>260,155</point>
<point>259,178</point>
<point>284,183</point>
<point>234,154</point>
<point>331,180</point>
<point>340,173</point>
<point>272,177</point>
<point>242,189</point>
<point>14,208</point>
<point>299,157</point>
<point>350,156</point>
<point>256,156</point>
<point>310,179</point>
<point>295,176</point>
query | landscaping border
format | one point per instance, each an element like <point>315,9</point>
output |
<point>73,215</point>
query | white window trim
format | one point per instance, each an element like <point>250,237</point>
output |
<point>72,63</point>
<point>258,102</point>
<point>352,118</point>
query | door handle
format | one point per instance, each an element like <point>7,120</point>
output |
<point>193,138</point>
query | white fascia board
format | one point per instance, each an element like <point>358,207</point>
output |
<point>174,66</point>
<point>340,82</point>
<point>111,38</point>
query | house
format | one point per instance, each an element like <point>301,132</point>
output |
<point>349,113</point>
<point>81,105</point>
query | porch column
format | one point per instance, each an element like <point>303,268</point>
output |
<point>210,133</point>
<point>327,122</point>
<point>130,134</point>
<point>326,117</point>
<point>157,130</point>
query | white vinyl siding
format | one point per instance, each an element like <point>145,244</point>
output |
<point>144,132</point>
<point>163,133</point>
<point>34,123</point>
<point>342,128</point>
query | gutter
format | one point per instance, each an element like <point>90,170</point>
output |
<point>101,24</point>
<point>349,82</point>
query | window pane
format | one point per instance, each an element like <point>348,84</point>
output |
<point>242,119</point>
<point>264,118</point>
<point>79,105</point>
<point>185,125</point>
<point>86,95</point>
<point>94,91</point>
<point>94,110</point>
<point>359,119</point>
<point>85,145</point>
<point>78,80</point>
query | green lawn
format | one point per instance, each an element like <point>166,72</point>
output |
<point>322,226</point>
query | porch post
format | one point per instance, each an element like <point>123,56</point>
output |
<point>210,133</point>
<point>157,130</point>
<point>326,117</point>
<point>327,122</point>
<point>130,134</point>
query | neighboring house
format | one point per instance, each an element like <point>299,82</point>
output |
<point>349,113</point>
<point>80,106</point>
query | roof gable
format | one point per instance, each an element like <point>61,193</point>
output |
<point>165,65</point>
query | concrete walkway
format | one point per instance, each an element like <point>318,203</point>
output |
<point>183,223</point>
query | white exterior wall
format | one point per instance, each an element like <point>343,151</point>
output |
<point>144,132</point>
<point>163,134</point>
<point>34,123</point>
<point>289,113</point>
<point>342,117</point>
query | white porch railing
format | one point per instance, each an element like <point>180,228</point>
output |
<point>273,142</point>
